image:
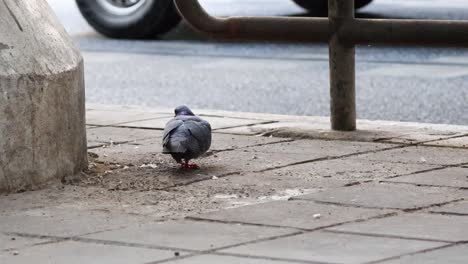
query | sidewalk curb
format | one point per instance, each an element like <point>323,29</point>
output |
<point>306,127</point>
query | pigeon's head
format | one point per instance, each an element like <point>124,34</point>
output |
<point>183,110</point>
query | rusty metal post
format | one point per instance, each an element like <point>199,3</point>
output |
<point>342,67</point>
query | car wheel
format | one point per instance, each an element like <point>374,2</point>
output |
<point>138,19</point>
<point>322,5</point>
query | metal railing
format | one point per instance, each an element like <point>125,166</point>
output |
<point>341,30</point>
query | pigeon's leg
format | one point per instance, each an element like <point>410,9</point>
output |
<point>188,165</point>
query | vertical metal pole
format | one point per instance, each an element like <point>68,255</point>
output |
<point>342,68</point>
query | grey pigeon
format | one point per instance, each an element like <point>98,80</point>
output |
<point>186,136</point>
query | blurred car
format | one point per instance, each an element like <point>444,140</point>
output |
<point>142,19</point>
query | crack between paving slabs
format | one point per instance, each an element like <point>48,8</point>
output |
<point>126,122</point>
<point>210,251</point>
<point>116,143</point>
<point>418,172</point>
<point>421,184</point>
<point>99,241</point>
<point>417,143</point>
<point>250,146</point>
<point>305,230</point>
<point>412,253</point>
<point>461,165</point>
<point>237,117</point>
<point>406,210</point>
<point>386,236</point>
<point>248,125</point>
<point>447,213</point>
<point>330,158</point>
<point>239,256</point>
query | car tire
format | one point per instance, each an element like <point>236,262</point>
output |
<point>321,6</point>
<point>143,20</point>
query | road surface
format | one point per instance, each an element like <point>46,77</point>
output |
<point>182,67</point>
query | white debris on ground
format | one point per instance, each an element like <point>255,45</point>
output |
<point>149,165</point>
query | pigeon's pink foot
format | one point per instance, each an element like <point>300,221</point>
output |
<point>187,165</point>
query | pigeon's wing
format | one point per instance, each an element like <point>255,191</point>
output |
<point>170,128</point>
<point>201,133</point>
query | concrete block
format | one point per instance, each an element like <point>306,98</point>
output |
<point>422,155</point>
<point>12,242</point>
<point>452,255</point>
<point>297,214</point>
<point>213,259</point>
<point>42,109</point>
<point>76,252</point>
<point>227,142</point>
<point>460,142</point>
<point>459,208</point>
<point>450,177</point>
<point>64,222</point>
<point>351,169</point>
<point>115,117</point>
<point>422,226</point>
<point>333,248</point>
<point>191,235</point>
<point>117,135</point>
<point>383,196</point>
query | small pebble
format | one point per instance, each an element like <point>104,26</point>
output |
<point>214,178</point>
<point>317,216</point>
<point>15,253</point>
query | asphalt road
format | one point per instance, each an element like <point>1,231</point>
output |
<point>393,83</point>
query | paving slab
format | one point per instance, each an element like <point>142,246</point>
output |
<point>314,149</point>
<point>95,144</point>
<point>106,118</point>
<point>426,137</point>
<point>118,135</point>
<point>352,169</point>
<point>297,214</point>
<point>383,196</point>
<point>459,142</point>
<point>221,142</point>
<point>418,225</point>
<point>76,252</point>
<point>12,242</point>
<point>191,235</point>
<point>215,122</point>
<point>421,154</point>
<point>452,255</point>
<point>460,208</point>
<point>333,248</point>
<point>208,259</point>
<point>253,188</point>
<point>64,222</point>
<point>451,177</point>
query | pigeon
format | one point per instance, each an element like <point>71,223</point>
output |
<point>186,137</point>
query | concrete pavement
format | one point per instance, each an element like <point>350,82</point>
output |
<point>273,189</point>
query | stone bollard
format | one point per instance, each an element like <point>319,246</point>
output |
<point>42,98</point>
